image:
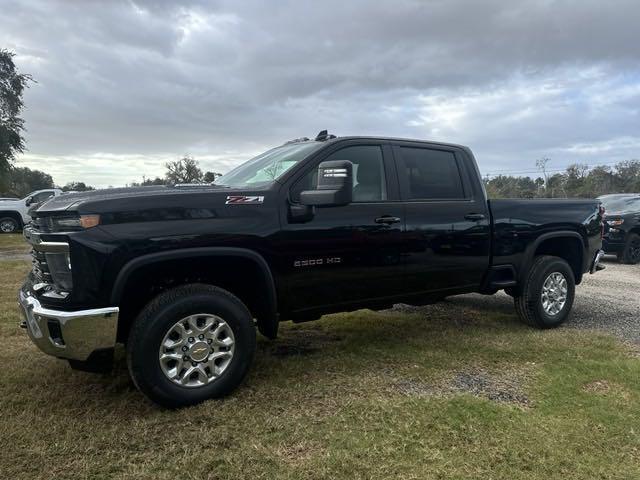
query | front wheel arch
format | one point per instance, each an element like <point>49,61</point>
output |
<point>243,272</point>
<point>146,346</point>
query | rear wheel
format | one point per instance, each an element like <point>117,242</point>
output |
<point>631,252</point>
<point>547,295</point>
<point>9,225</point>
<point>190,344</point>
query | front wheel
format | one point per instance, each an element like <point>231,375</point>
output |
<point>631,253</point>
<point>547,294</point>
<point>8,225</point>
<point>190,344</point>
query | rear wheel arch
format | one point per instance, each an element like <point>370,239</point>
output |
<point>244,273</point>
<point>566,245</point>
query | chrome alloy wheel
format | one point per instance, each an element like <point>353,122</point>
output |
<point>196,350</point>
<point>7,226</point>
<point>554,293</point>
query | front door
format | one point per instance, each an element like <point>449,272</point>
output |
<point>348,254</point>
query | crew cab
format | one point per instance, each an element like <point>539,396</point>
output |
<point>14,213</point>
<point>183,276</point>
<point>622,226</point>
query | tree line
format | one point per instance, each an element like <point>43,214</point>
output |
<point>19,181</point>
<point>577,181</point>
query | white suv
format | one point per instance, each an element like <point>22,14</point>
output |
<point>15,213</point>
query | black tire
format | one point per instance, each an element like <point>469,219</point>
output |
<point>511,291</point>
<point>529,304</point>
<point>154,322</point>
<point>631,253</point>
<point>9,225</point>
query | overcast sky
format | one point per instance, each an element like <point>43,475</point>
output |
<point>124,86</point>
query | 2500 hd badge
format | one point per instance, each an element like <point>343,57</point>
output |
<point>313,262</point>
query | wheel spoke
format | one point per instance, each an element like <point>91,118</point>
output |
<point>178,364</point>
<point>225,342</point>
<point>186,376</point>
<point>170,343</point>
<point>218,361</point>
<point>218,330</point>
<point>193,324</point>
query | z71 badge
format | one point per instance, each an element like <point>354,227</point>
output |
<point>242,199</point>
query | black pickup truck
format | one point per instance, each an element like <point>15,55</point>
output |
<point>622,226</point>
<point>183,275</point>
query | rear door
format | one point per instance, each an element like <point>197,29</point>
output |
<point>447,218</point>
<point>353,253</point>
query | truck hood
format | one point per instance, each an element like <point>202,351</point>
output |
<point>11,203</point>
<point>72,200</point>
<point>621,213</point>
<point>136,199</point>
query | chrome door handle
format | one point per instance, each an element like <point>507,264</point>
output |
<point>474,217</point>
<point>388,219</point>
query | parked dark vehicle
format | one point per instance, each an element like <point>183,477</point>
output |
<point>183,275</point>
<point>622,226</point>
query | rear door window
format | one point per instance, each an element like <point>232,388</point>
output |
<point>431,174</point>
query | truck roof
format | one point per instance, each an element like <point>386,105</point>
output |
<point>334,139</point>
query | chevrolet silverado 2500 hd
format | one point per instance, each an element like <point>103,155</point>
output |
<point>183,276</point>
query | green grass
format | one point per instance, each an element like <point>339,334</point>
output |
<point>359,395</point>
<point>12,244</point>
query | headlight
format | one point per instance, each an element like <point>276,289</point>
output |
<point>74,223</point>
<point>60,268</point>
<point>615,223</point>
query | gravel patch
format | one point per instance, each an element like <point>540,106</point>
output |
<point>498,388</point>
<point>608,301</point>
<point>503,387</point>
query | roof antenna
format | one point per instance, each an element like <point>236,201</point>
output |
<point>324,135</point>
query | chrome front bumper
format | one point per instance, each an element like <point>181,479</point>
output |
<point>70,335</point>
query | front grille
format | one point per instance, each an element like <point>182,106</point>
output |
<point>40,268</point>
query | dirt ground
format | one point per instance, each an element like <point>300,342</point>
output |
<point>608,301</point>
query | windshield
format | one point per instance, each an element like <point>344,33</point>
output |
<point>621,204</point>
<point>268,166</point>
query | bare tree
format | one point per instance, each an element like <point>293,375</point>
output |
<point>185,170</point>
<point>541,164</point>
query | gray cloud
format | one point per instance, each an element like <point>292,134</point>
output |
<point>124,86</point>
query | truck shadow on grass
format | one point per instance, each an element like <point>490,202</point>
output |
<point>438,350</point>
